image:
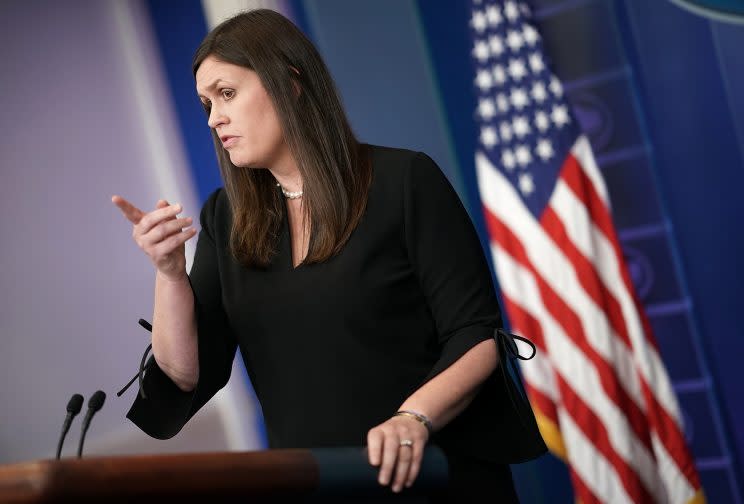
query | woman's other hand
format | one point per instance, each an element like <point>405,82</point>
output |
<point>397,446</point>
<point>160,234</point>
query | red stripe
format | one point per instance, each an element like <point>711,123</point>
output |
<point>583,494</point>
<point>573,329</point>
<point>591,282</point>
<point>671,437</point>
<point>661,421</point>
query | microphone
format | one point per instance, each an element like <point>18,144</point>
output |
<point>95,403</point>
<point>74,405</point>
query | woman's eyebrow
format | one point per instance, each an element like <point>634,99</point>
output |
<point>212,86</point>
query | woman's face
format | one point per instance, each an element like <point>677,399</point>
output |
<point>241,113</point>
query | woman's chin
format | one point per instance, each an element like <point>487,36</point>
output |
<point>241,161</point>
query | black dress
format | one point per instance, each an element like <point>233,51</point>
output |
<point>333,349</point>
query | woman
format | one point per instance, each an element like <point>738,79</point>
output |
<point>349,275</point>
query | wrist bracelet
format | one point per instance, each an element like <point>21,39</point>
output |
<point>417,416</point>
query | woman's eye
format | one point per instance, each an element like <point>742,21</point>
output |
<point>228,93</point>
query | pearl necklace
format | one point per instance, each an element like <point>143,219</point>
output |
<point>289,194</point>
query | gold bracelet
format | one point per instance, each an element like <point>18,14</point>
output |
<point>417,416</point>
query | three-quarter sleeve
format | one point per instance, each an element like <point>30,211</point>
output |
<point>166,409</point>
<point>447,256</point>
<point>452,269</point>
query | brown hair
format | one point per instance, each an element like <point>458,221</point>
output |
<point>336,171</point>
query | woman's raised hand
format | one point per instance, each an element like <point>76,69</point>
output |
<point>160,234</point>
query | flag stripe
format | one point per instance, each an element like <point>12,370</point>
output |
<point>588,279</point>
<point>566,315</point>
<point>568,204</point>
<point>583,494</point>
<point>594,471</point>
<point>593,429</point>
<point>551,264</point>
<point>571,365</point>
<point>663,414</point>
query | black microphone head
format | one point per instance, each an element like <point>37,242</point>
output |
<point>96,400</point>
<point>75,404</point>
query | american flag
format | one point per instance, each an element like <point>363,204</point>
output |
<point>598,386</point>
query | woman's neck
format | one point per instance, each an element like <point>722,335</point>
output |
<point>287,174</point>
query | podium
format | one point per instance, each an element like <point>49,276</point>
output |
<point>315,475</point>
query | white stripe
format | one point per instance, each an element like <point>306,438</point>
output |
<point>574,367</point>
<point>590,465</point>
<point>596,247</point>
<point>582,150</point>
<point>677,485</point>
<point>501,199</point>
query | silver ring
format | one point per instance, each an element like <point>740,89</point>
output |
<point>406,442</point>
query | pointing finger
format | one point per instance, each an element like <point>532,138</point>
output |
<point>131,212</point>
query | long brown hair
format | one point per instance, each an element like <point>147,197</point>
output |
<point>336,171</point>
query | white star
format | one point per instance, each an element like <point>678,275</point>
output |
<point>514,40</point>
<point>480,51</point>
<point>517,69</point>
<point>522,153</point>
<point>484,80</point>
<point>497,46</point>
<point>511,10</point>
<point>526,184</point>
<point>488,137</point>
<point>499,75</point>
<point>478,21</point>
<point>530,35</point>
<point>555,86</point>
<point>502,102</point>
<point>544,149</point>
<point>505,130</point>
<point>521,126</point>
<point>486,108</point>
<point>539,93</point>
<point>519,98</point>
<point>542,121</point>
<point>507,159</point>
<point>493,15</point>
<point>536,62</point>
<point>559,115</point>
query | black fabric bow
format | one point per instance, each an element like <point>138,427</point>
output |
<point>144,366</point>
<point>507,346</point>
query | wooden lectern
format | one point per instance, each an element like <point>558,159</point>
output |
<point>319,475</point>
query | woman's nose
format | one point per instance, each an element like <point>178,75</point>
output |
<point>216,118</point>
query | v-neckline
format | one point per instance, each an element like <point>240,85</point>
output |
<point>288,230</point>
